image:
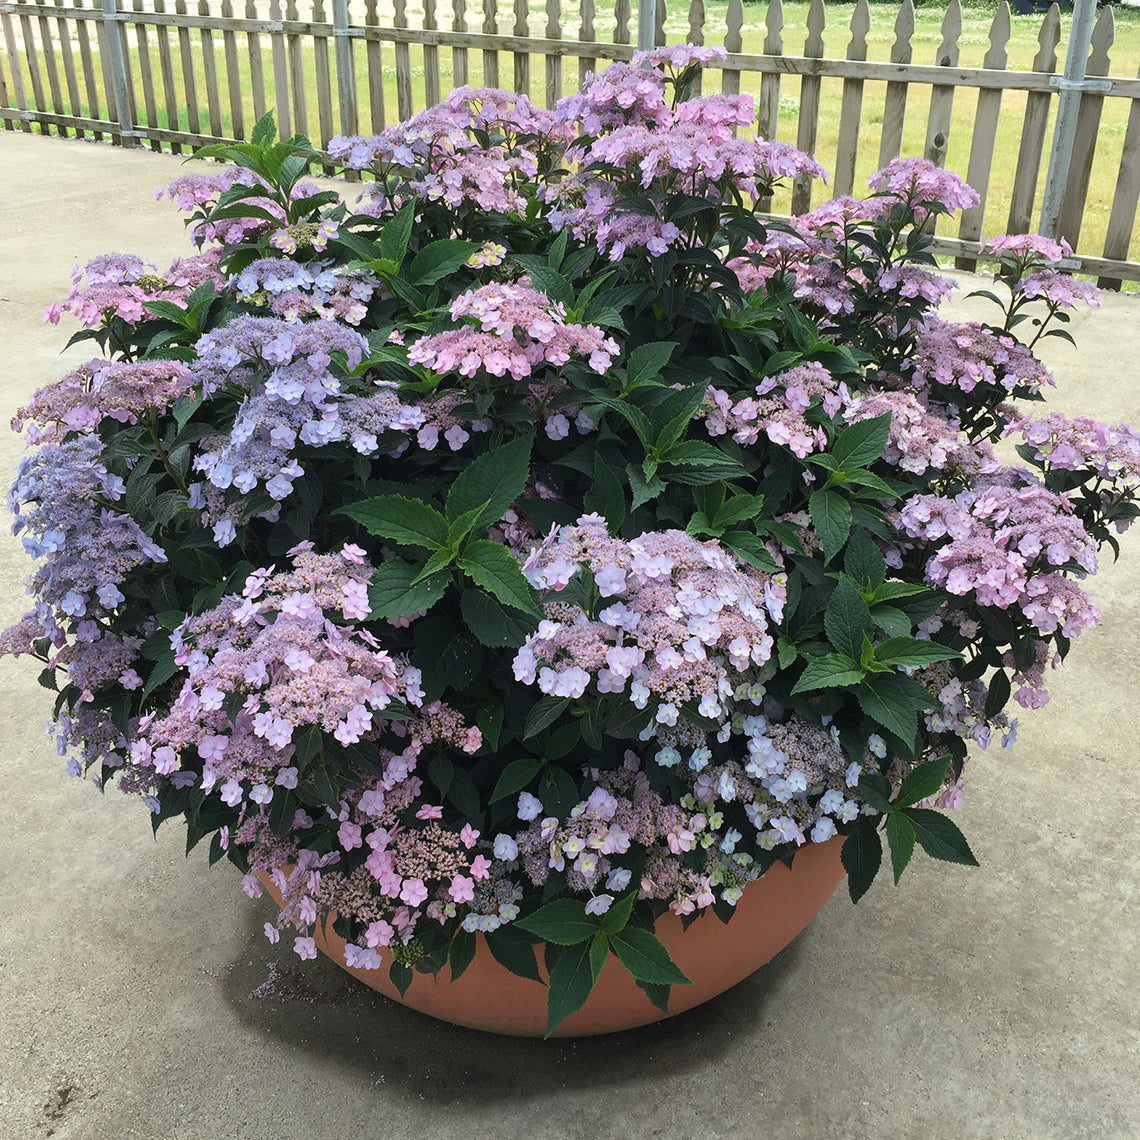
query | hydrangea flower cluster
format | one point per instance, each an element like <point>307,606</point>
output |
<point>513,328</point>
<point>686,624</point>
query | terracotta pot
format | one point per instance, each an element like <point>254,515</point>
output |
<point>771,912</point>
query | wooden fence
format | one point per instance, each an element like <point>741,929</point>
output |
<point>159,74</point>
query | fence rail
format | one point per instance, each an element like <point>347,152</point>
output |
<point>167,74</point>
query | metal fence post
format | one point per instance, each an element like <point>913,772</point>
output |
<point>112,22</point>
<point>1071,84</point>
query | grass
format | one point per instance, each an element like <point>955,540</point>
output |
<point>973,45</point>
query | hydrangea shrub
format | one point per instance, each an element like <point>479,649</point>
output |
<point>546,540</point>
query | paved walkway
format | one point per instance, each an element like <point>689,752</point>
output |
<point>139,999</point>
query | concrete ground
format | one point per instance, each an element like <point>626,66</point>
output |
<point>139,998</point>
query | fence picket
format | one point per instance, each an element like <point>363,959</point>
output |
<point>403,64</point>
<point>586,34</point>
<point>296,53</point>
<point>14,68</point>
<point>146,74</point>
<point>33,58</point>
<point>459,65</point>
<point>64,31</point>
<point>810,85</point>
<point>522,58</point>
<point>553,62</point>
<point>210,72</point>
<point>189,82</point>
<point>375,72</point>
<point>256,69</point>
<point>985,135</point>
<point>1122,219</point>
<point>166,69</point>
<point>491,56</point>
<point>279,50</point>
<point>851,107</point>
<point>90,87</point>
<point>659,17</point>
<point>51,68</point>
<point>1033,130</point>
<point>322,72</point>
<point>621,21</point>
<point>769,119</point>
<point>942,95</point>
<point>894,109</point>
<point>7,122</point>
<point>734,42</point>
<point>345,73</point>
<point>233,79</point>
<point>432,93</point>
<point>1088,127</point>
<point>697,34</point>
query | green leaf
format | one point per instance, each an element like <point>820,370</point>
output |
<point>644,490</point>
<point>515,776</point>
<point>396,234</point>
<point>751,549</point>
<point>922,781</point>
<point>646,362</point>
<point>861,444</point>
<point>680,406</point>
<point>552,283</point>
<point>464,524</point>
<point>705,457</point>
<point>497,478</point>
<point>401,977</point>
<point>830,670</point>
<point>163,670</point>
<point>740,508</point>
<point>510,949</point>
<point>405,521</point>
<point>643,955</point>
<point>605,495</point>
<point>439,259</point>
<point>886,698</point>
<point>571,981</point>
<point>461,952</point>
<point>599,952</point>
<point>939,836</point>
<point>544,711</point>
<point>900,840</point>
<point>496,569</point>
<point>489,720</point>
<point>264,130</point>
<point>436,563</point>
<point>831,516</point>
<point>862,855</point>
<point>876,790</point>
<point>891,620</point>
<point>558,791</point>
<point>392,595</point>
<point>863,561</point>
<point>847,620</point>
<point>998,693</point>
<point>563,922</point>
<point>495,626</point>
<point>616,918</point>
<point>633,415</point>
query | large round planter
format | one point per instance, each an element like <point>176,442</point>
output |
<point>715,955</point>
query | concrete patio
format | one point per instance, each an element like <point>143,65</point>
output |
<point>139,999</point>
